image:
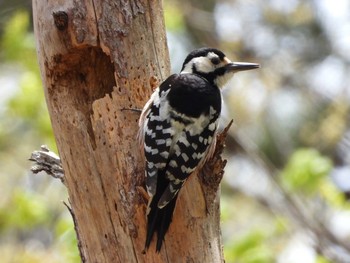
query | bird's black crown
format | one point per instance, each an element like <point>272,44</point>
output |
<point>202,52</point>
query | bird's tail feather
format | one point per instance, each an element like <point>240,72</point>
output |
<point>166,215</point>
<point>159,219</point>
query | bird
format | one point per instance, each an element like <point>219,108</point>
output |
<point>177,130</point>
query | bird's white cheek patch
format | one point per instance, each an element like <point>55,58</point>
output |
<point>204,65</point>
<point>221,81</point>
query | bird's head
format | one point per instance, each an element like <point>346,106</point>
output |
<point>213,65</point>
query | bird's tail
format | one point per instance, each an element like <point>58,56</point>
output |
<point>159,219</point>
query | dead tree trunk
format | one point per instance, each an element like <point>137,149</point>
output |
<point>96,59</point>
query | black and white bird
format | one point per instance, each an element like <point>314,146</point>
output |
<point>178,130</point>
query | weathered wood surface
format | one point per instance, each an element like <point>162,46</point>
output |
<point>96,59</point>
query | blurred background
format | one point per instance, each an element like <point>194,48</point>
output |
<point>285,193</point>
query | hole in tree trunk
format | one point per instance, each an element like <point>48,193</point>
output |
<point>83,76</point>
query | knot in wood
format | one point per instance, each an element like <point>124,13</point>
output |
<point>61,20</point>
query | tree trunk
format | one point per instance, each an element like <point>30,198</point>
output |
<point>98,58</point>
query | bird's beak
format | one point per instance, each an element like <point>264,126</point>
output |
<point>240,66</point>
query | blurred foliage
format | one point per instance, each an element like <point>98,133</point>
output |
<point>174,22</point>
<point>305,170</point>
<point>328,128</point>
<point>27,108</point>
<point>24,212</point>
<point>17,43</point>
<point>251,248</point>
<point>33,227</point>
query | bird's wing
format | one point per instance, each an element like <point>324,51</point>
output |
<point>145,111</point>
<point>189,152</point>
<point>156,135</point>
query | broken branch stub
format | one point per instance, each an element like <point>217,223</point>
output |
<point>47,161</point>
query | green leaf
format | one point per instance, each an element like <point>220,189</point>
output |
<point>174,20</point>
<point>27,108</point>
<point>28,210</point>
<point>249,249</point>
<point>17,43</point>
<point>305,170</point>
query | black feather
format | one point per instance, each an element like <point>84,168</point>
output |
<point>192,95</point>
<point>159,219</point>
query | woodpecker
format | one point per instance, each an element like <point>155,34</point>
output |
<point>178,128</point>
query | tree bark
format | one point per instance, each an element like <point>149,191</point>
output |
<point>98,58</point>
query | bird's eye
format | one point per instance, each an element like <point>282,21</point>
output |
<point>215,60</point>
